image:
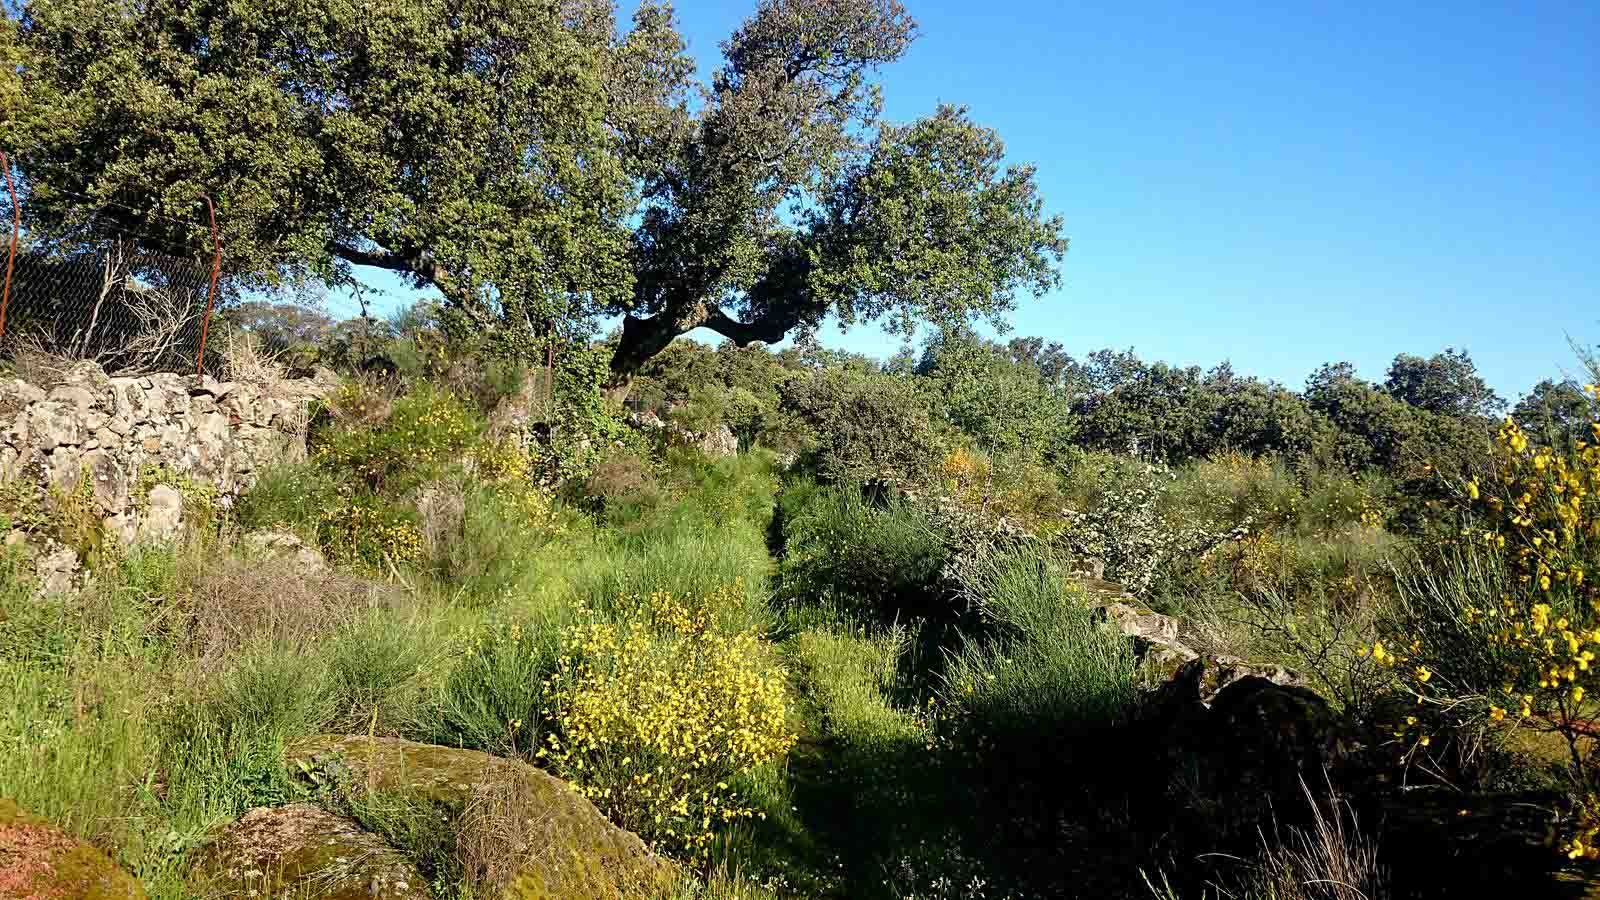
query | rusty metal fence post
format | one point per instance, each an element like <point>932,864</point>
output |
<point>11,254</point>
<point>211,295</point>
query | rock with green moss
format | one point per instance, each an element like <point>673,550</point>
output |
<point>39,861</point>
<point>519,833</point>
<point>302,850</point>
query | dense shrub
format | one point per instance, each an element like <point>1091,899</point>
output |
<point>866,426</point>
<point>423,431</point>
<point>655,721</point>
<point>293,496</point>
<point>622,482</point>
<point>236,602</point>
<point>1015,490</point>
<point>1047,661</point>
<point>1115,514</point>
<point>494,691</point>
<point>1500,629</point>
<point>883,559</point>
<point>369,532</point>
<point>1006,405</point>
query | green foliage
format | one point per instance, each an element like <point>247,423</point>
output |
<point>38,631</point>
<point>582,424</point>
<point>22,506</point>
<point>683,554</point>
<point>876,257</point>
<point>878,560</point>
<point>371,533</point>
<point>78,764</point>
<point>862,251</point>
<point>1006,405</point>
<point>1446,383</point>
<point>150,112</point>
<point>732,488</point>
<point>1555,412</point>
<point>425,431</point>
<point>199,495</point>
<point>493,693</point>
<point>378,670</point>
<point>293,495</point>
<point>1115,514</point>
<point>1051,669</point>
<point>866,426</point>
<point>851,674</point>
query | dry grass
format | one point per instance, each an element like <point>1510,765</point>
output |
<point>511,829</point>
<point>365,400</point>
<point>442,507</point>
<point>246,359</point>
<point>34,361</point>
<point>239,601</point>
<point>622,477</point>
<point>1329,860</point>
<point>497,833</point>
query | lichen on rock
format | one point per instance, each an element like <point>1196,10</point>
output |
<point>551,842</point>
<point>303,850</point>
<point>39,861</point>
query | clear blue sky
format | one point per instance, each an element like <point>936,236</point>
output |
<point>1283,187</point>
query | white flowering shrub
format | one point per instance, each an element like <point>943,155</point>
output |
<point>1115,514</point>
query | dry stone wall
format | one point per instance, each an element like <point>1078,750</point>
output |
<point>116,431</point>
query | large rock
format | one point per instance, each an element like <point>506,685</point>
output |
<point>1249,761</point>
<point>56,571</point>
<point>284,545</point>
<point>41,862</point>
<point>302,850</point>
<point>163,517</point>
<point>718,442</point>
<point>563,848</point>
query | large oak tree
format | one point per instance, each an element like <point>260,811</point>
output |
<point>531,159</point>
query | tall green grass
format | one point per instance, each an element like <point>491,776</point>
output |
<point>882,559</point>
<point>1048,668</point>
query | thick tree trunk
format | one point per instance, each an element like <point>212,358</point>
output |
<point>644,338</point>
<point>641,339</point>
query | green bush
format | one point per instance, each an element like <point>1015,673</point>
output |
<point>1048,661</point>
<point>424,432</point>
<point>378,670</point>
<point>36,631</point>
<point>498,551</point>
<point>367,531</point>
<point>221,743</point>
<point>866,426</point>
<point>1116,514</point>
<point>293,496</point>
<point>850,674</point>
<point>883,560</point>
<point>75,745</point>
<point>739,487</point>
<point>681,553</point>
<point>623,485</point>
<point>493,692</point>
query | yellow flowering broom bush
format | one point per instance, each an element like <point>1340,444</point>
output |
<point>1501,630</point>
<point>655,722</point>
<point>423,431</point>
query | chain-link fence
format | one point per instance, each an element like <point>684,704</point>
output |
<point>125,299</point>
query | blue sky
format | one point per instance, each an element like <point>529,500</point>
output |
<point>1284,187</point>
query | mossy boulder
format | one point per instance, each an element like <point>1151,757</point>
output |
<point>303,850</point>
<point>39,861</point>
<point>521,833</point>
